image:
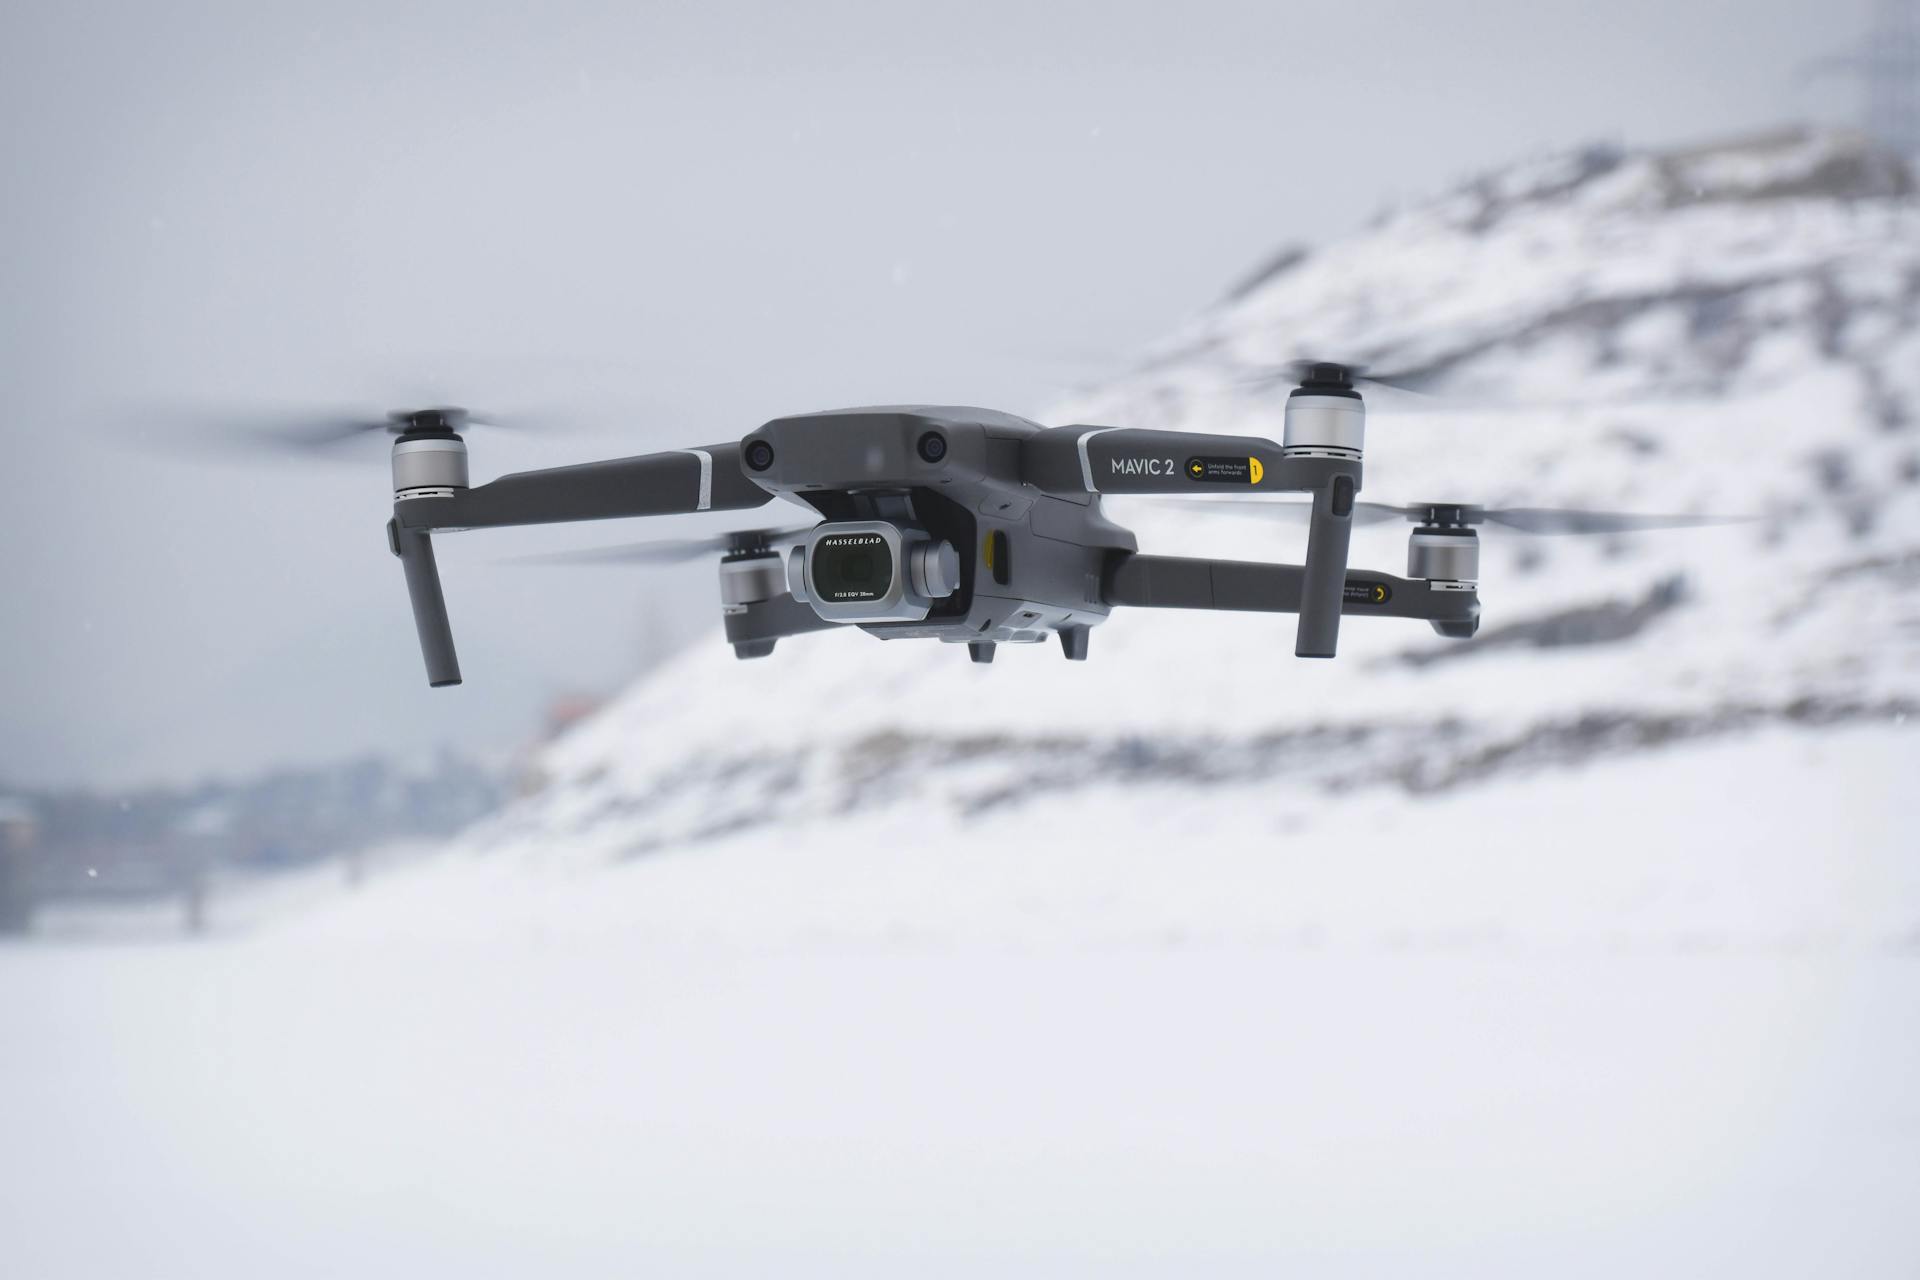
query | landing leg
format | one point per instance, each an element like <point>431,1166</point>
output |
<point>1326,570</point>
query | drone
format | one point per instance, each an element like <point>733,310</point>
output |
<point>977,527</point>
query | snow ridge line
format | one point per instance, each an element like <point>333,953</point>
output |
<point>709,796</point>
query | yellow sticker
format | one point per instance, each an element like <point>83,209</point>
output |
<point>1255,470</point>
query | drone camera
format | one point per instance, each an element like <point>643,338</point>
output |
<point>872,571</point>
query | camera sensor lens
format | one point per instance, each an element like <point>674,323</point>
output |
<point>852,567</point>
<point>759,455</point>
<point>933,446</point>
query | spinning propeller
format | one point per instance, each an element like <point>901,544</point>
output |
<point>1343,376</point>
<point>1315,374</point>
<point>742,542</point>
<point>1528,520</point>
<point>196,430</point>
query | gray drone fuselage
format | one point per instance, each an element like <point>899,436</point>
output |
<point>1031,562</point>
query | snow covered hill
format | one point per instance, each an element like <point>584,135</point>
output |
<point>1728,330</point>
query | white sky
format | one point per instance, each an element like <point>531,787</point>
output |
<point>675,221</point>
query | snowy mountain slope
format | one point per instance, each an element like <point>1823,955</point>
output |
<point>1732,330</point>
<point>1697,862</point>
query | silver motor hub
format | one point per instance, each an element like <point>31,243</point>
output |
<point>1325,424</point>
<point>1448,556</point>
<point>750,579</point>
<point>429,466</point>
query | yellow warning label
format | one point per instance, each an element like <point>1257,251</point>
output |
<point>1236,470</point>
<point>1366,592</point>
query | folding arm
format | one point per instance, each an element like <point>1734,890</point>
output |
<point>654,484</point>
<point>1175,582</point>
<point>1124,460</point>
<point>431,494</point>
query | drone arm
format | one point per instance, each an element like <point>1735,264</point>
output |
<point>654,484</point>
<point>1129,461</point>
<point>1125,460</point>
<point>1176,582</point>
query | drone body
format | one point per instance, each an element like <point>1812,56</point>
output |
<point>1028,562</point>
<point>977,527</point>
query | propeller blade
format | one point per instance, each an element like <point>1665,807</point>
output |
<point>1561,520</point>
<point>663,551</point>
<point>1412,382</point>
<point>668,550</point>
<point>1535,521</point>
<point>1337,372</point>
<point>1294,512</point>
<point>223,430</point>
<point>202,431</point>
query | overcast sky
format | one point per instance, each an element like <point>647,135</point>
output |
<point>670,222</point>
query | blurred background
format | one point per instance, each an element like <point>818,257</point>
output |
<point>1588,944</point>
